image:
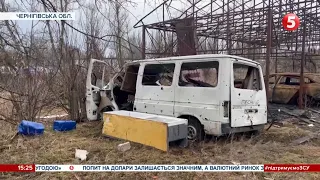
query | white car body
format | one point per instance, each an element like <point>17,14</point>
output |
<point>212,98</point>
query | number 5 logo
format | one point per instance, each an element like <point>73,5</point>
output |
<point>290,22</point>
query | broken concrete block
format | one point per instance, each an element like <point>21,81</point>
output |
<point>124,147</point>
<point>81,154</point>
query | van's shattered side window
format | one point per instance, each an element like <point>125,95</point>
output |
<point>199,74</point>
<point>158,74</point>
<point>246,77</point>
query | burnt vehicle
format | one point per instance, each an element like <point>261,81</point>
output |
<point>284,88</point>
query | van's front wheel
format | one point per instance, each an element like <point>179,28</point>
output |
<point>195,130</point>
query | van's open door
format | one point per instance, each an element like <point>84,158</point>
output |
<point>96,88</point>
<point>248,95</point>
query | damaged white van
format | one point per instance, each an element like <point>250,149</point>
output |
<point>218,94</point>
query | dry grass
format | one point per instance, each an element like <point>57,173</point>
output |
<point>6,108</point>
<point>272,146</point>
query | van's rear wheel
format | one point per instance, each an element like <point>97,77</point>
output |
<point>195,130</point>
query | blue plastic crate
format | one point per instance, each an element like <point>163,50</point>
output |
<point>30,128</point>
<point>60,125</point>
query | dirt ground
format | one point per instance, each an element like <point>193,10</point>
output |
<point>272,146</point>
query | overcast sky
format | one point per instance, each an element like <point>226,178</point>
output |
<point>136,11</point>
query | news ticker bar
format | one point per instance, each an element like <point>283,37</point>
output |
<point>37,16</point>
<point>160,168</point>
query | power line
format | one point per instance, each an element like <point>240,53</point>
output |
<point>89,35</point>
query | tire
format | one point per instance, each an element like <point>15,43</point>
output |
<point>256,132</point>
<point>195,130</point>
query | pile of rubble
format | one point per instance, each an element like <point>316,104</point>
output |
<point>280,115</point>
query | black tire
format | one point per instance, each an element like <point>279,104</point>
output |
<point>195,130</point>
<point>256,132</point>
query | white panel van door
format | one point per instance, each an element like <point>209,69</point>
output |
<point>155,90</point>
<point>96,81</point>
<point>248,95</point>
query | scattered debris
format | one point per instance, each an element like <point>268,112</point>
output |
<point>20,144</point>
<point>124,147</point>
<point>203,152</point>
<point>59,125</point>
<point>76,176</point>
<point>268,178</point>
<point>13,137</point>
<point>316,121</point>
<point>30,128</point>
<point>5,147</point>
<point>310,125</point>
<point>81,154</point>
<point>302,140</point>
<point>277,126</point>
<point>313,110</point>
<point>307,114</point>
<point>51,116</point>
<point>296,116</point>
<point>235,163</point>
<point>211,162</point>
<point>282,123</point>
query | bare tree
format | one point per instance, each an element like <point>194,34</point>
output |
<point>118,23</point>
<point>25,85</point>
<point>45,67</point>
